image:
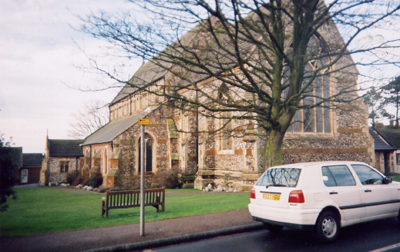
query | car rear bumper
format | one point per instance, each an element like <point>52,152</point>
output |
<point>297,218</point>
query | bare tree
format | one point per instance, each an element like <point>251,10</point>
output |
<point>393,92</point>
<point>269,64</point>
<point>93,116</point>
<point>376,105</point>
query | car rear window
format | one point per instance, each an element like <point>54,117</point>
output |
<point>286,177</point>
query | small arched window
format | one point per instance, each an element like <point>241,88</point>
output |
<point>225,138</point>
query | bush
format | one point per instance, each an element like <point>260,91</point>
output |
<point>171,179</point>
<point>103,189</point>
<point>85,181</point>
<point>155,185</point>
<point>77,180</point>
<point>188,186</point>
<point>71,177</point>
<point>96,180</point>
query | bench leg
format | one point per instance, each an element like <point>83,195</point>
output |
<point>156,207</point>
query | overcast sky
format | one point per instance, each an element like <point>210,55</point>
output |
<point>39,53</point>
<point>38,59</point>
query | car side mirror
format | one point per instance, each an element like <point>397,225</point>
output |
<point>387,180</point>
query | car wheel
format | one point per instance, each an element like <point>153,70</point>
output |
<point>272,228</point>
<point>327,228</point>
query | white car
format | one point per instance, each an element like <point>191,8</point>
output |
<point>323,196</point>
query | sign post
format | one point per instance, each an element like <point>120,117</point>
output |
<point>142,123</point>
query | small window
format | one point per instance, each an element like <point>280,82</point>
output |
<point>367,175</point>
<point>64,166</point>
<point>226,139</point>
<point>338,175</point>
<point>286,177</point>
<point>398,158</point>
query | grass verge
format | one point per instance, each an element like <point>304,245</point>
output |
<point>397,178</point>
<point>46,210</point>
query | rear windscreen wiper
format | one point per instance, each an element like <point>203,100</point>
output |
<point>277,185</point>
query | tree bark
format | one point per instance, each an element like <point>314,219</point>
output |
<point>273,149</point>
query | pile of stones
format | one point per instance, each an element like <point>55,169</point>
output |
<point>219,188</point>
<point>87,188</point>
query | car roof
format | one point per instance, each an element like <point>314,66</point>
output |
<point>318,164</point>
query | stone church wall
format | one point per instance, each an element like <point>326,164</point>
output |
<point>54,173</point>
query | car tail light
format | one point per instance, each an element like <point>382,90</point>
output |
<point>253,193</point>
<point>296,196</point>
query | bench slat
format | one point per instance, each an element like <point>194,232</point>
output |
<point>126,199</point>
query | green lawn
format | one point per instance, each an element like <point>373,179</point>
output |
<point>45,210</point>
<point>397,178</point>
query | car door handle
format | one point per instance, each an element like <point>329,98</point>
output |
<point>333,193</point>
<point>367,190</point>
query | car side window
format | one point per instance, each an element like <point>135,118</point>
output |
<point>367,175</point>
<point>337,175</point>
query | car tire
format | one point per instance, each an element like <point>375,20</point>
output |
<point>327,227</point>
<point>272,228</point>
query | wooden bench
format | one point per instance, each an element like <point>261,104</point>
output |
<point>126,199</point>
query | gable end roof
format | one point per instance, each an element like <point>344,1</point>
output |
<point>112,129</point>
<point>65,147</point>
<point>32,159</point>
<point>380,142</point>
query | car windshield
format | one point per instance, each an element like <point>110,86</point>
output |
<point>286,177</point>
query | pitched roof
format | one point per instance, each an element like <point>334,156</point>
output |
<point>65,147</point>
<point>32,159</point>
<point>215,58</point>
<point>380,143</point>
<point>114,128</point>
<point>392,135</point>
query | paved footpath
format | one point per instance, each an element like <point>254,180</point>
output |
<point>127,237</point>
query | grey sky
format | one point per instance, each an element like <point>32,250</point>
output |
<point>37,58</point>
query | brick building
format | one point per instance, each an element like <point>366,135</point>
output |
<point>62,156</point>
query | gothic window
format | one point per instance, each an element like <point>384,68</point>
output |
<point>317,119</point>
<point>314,119</point>
<point>148,154</point>
<point>64,166</point>
<point>398,159</point>
<point>225,139</point>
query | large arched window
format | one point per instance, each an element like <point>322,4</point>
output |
<point>316,119</point>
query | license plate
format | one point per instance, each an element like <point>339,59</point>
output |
<point>272,196</point>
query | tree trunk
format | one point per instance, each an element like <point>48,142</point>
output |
<point>273,149</point>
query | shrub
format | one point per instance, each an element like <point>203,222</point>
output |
<point>171,179</point>
<point>96,180</point>
<point>155,185</point>
<point>188,186</point>
<point>77,180</point>
<point>71,177</point>
<point>103,189</point>
<point>85,181</point>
